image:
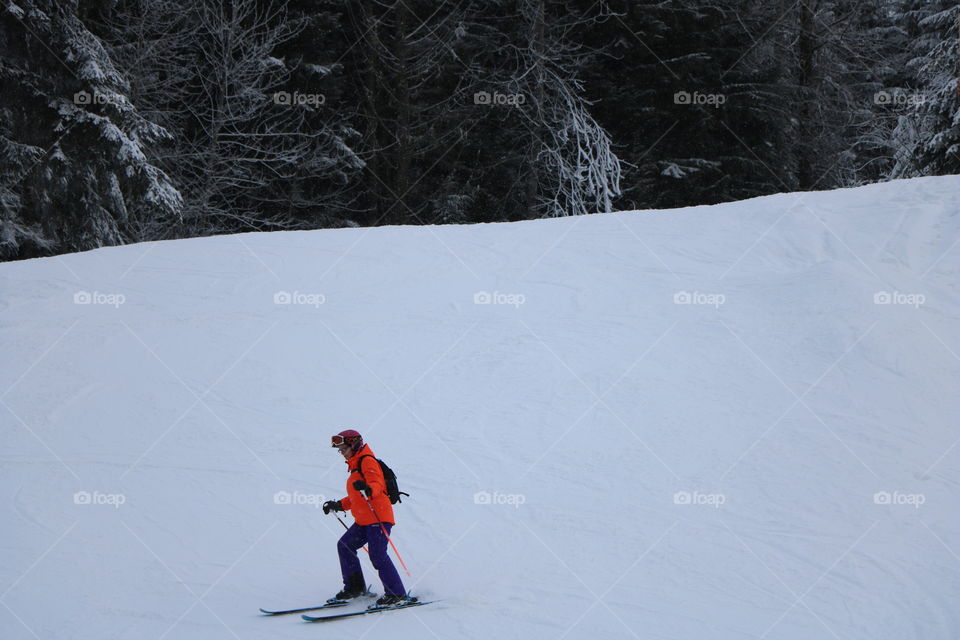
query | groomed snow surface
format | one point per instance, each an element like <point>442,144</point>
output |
<point>725,422</point>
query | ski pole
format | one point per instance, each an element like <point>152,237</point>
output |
<point>384,529</point>
<point>345,527</point>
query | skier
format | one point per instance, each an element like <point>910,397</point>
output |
<point>368,502</point>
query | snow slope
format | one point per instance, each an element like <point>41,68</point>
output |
<point>725,422</point>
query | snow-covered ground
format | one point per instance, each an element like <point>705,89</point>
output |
<point>737,421</point>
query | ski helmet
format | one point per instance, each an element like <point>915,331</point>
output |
<point>348,437</point>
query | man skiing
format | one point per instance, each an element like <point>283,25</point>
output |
<point>368,502</point>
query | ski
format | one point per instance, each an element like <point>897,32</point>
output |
<point>282,612</point>
<point>339,616</point>
<point>332,603</point>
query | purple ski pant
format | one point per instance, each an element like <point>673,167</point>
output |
<point>371,535</point>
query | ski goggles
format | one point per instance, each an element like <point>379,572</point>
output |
<point>338,441</point>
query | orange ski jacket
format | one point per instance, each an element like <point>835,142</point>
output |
<point>373,475</point>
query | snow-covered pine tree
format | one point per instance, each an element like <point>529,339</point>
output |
<point>405,72</point>
<point>927,139</point>
<point>838,62</point>
<point>73,162</point>
<point>880,43</point>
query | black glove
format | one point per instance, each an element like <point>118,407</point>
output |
<point>332,505</point>
<point>361,485</point>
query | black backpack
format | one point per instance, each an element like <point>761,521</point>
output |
<point>393,491</point>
